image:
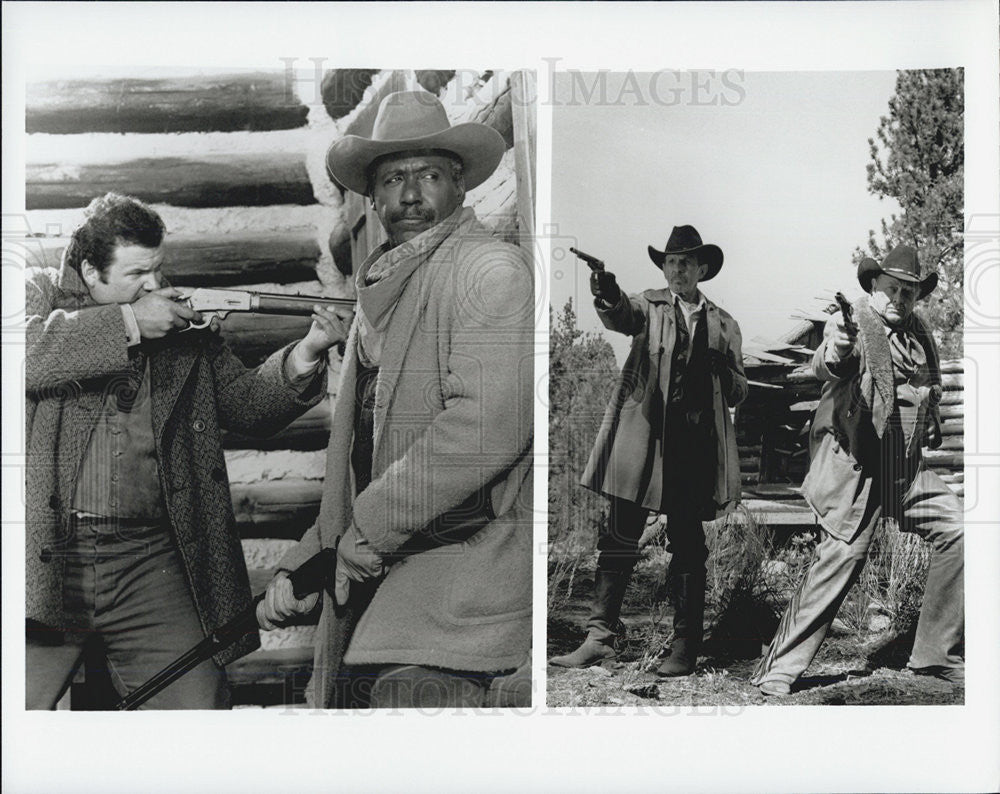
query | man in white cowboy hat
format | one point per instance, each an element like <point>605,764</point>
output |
<point>667,441</point>
<point>882,386</point>
<point>428,478</point>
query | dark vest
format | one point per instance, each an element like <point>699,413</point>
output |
<point>690,450</point>
<point>690,376</point>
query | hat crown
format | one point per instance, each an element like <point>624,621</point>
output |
<point>683,238</point>
<point>409,114</point>
<point>903,260</point>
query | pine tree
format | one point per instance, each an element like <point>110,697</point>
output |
<point>918,159</point>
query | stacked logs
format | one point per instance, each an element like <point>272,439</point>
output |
<point>772,426</point>
<point>241,215</point>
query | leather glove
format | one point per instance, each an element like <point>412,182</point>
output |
<point>718,362</point>
<point>357,561</point>
<point>280,604</point>
<point>604,286</point>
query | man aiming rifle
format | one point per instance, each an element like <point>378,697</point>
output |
<point>129,524</point>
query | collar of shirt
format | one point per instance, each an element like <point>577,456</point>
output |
<point>689,308</point>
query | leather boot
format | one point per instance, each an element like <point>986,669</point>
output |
<point>599,646</point>
<point>689,616</point>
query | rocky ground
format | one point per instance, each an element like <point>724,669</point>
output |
<point>852,668</point>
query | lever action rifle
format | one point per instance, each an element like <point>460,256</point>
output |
<point>310,577</point>
<point>220,302</point>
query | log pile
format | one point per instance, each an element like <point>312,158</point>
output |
<point>772,425</point>
<point>224,103</point>
<point>206,181</point>
<point>202,190</point>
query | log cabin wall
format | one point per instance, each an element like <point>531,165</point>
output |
<point>235,165</point>
<point>773,423</point>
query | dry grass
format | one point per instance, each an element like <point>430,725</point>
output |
<point>573,553</point>
<point>891,586</point>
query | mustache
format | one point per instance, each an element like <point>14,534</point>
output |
<point>412,214</point>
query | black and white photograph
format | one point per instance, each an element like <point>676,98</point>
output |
<point>278,346</point>
<point>758,423</point>
<point>461,396</point>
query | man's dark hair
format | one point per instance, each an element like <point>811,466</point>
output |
<point>112,220</point>
<point>457,166</point>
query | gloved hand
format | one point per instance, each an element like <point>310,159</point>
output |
<point>357,561</point>
<point>718,362</point>
<point>604,286</point>
<point>279,603</point>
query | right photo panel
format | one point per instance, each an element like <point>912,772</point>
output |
<point>756,389</point>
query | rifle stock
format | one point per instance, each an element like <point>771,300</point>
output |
<point>310,577</point>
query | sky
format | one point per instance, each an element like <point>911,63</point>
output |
<point>769,166</point>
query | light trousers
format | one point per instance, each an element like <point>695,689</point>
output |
<point>928,508</point>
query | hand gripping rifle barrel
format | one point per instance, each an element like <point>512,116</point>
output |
<point>310,577</point>
<point>593,262</point>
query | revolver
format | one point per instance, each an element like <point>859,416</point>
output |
<point>593,262</point>
<point>847,311</point>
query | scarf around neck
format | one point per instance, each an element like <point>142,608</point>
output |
<point>384,275</point>
<point>878,388</point>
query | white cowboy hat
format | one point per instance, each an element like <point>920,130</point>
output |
<point>413,121</point>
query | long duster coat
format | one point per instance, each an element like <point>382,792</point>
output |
<point>450,494</point>
<point>627,458</point>
<point>858,397</point>
<point>76,350</point>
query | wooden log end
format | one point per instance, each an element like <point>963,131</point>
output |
<point>343,89</point>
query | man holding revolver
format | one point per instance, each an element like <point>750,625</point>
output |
<point>666,443</point>
<point>427,492</point>
<point>879,407</point>
<point>129,523</point>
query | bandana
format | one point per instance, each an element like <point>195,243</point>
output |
<point>913,343</point>
<point>384,275</point>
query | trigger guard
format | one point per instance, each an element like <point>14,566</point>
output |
<point>193,326</point>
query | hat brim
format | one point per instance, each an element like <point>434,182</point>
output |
<point>480,148</point>
<point>707,254</point>
<point>927,284</point>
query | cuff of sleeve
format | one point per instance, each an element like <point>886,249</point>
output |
<point>830,355</point>
<point>132,333</point>
<point>605,306</point>
<point>298,372</point>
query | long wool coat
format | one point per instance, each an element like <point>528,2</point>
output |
<point>857,399</point>
<point>451,471</point>
<point>627,458</point>
<point>76,350</point>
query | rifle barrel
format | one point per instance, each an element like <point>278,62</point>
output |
<point>294,304</point>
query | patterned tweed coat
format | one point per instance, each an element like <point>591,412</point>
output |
<point>76,351</point>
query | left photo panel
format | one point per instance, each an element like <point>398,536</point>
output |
<point>279,380</point>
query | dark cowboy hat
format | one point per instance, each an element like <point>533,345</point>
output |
<point>686,240</point>
<point>901,262</point>
<point>414,121</point>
